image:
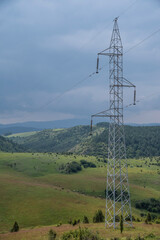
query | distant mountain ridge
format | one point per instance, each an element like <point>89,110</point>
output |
<point>12,130</point>
<point>38,125</point>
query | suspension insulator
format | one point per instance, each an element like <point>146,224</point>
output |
<point>91,127</point>
<point>134,103</point>
<point>97,64</point>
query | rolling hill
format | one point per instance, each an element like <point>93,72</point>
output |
<point>140,141</point>
<point>36,193</point>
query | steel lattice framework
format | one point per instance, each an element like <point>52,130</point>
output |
<point>117,191</point>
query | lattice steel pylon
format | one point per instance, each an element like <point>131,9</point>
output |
<point>117,191</point>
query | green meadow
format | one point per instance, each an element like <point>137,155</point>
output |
<point>35,193</point>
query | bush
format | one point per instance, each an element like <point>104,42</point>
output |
<point>133,218</point>
<point>151,205</point>
<point>98,217</point>
<point>86,164</point>
<point>117,218</point>
<point>157,221</point>
<point>151,235</point>
<point>139,238</point>
<point>146,222</point>
<point>59,224</point>
<point>70,221</point>
<point>52,234</point>
<point>71,167</point>
<point>85,219</point>
<point>15,227</point>
<point>81,234</point>
<point>74,222</point>
<point>149,219</point>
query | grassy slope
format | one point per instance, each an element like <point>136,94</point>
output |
<point>24,134</point>
<point>33,192</point>
<point>41,233</point>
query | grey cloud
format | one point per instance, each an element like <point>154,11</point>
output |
<point>48,46</point>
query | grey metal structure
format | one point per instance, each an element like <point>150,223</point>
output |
<point>117,191</point>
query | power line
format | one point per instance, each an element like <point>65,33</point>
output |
<point>83,45</point>
<point>108,25</point>
<point>138,44</point>
<point>145,39</point>
<point>143,98</point>
<point>100,69</point>
<point>69,89</point>
<point>125,10</point>
<point>93,73</point>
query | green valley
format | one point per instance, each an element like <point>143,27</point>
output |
<point>35,193</point>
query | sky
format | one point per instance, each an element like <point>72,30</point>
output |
<point>48,46</point>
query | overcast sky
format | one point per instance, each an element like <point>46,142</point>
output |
<point>47,46</point>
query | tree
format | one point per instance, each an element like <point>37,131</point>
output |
<point>85,219</point>
<point>15,227</point>
<point>98,217</point>
<point>149,218</point>
<point>121,224</point>
<point>52,234</point>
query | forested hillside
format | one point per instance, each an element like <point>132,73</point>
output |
<point>140,141</point>
<point>7,145</point>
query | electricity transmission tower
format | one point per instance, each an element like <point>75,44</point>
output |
<point>117,190</point>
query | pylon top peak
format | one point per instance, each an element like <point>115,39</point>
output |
<point>116,19</point>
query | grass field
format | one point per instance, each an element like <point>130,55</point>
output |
<point>34,193</point>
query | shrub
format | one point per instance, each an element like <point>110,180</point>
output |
<point>151,235</point>
<point>81,234</point>
<point>117,218</point>
<point>70,221</point>
<point>74,222</point>
<point>133,218</point>
<point>98,217</point>
<point>52,234</point>
<point>128,238</point>
<point>146,222</point>
<point>85,219</point>
<point>71,167</point>
<point>15,227</point>
<point>149,219</point>
<point>157,221</point>
<point>59,224</point>
<point>151,205</point>
<point>139,238</point>
<point>86,164</point>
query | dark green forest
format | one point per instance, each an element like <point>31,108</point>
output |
<point>9,146</point>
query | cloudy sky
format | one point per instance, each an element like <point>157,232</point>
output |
<point>48,46</point>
